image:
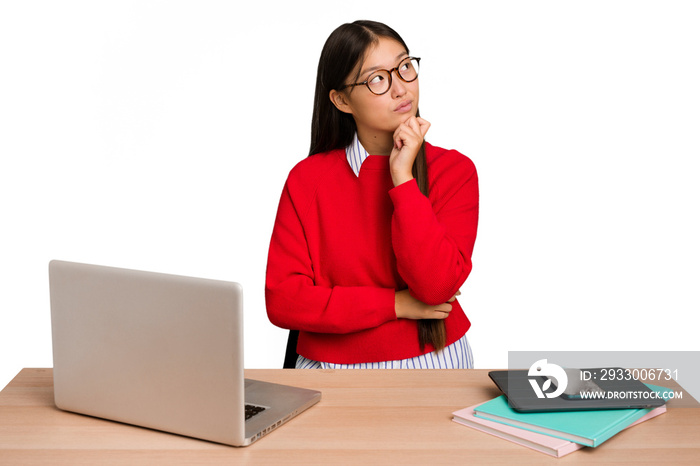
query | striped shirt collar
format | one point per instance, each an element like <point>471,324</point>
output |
<point>356,154</point>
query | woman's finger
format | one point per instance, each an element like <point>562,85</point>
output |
<point>423,126</point>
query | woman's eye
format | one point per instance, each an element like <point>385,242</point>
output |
<point>376,79</point>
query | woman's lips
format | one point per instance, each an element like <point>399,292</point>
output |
<point>404,107</point>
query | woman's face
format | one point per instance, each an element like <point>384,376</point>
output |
<point>378,116</point>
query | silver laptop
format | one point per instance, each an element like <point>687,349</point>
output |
<point>160,351</point>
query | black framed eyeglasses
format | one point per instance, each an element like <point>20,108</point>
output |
<point>379,82</point>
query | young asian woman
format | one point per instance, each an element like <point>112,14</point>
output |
<point>375,229</point>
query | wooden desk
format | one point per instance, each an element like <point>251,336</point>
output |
<point>365,417</point>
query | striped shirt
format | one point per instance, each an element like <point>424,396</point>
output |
<point>458,355</point>
<point>356,154</point>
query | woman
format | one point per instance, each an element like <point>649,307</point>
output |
<point>375,229</point>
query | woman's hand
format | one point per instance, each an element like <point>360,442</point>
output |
<point>408,139</point>
<point>408,307</point>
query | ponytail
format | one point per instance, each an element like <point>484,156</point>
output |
<point>430,331</point>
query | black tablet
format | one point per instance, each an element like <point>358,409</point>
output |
<point>583,389</point>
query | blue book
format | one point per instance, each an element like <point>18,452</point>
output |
<point>590,428</point>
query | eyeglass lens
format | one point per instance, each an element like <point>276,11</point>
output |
<point>380,81</point>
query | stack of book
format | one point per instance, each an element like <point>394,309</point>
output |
<point>554,433</point>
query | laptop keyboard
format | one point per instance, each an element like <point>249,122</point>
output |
<point>252,410</point>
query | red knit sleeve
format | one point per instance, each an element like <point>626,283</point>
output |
<point>294,301</point>
<point>433,239</point>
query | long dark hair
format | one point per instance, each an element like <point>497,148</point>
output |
<point>332,129</point>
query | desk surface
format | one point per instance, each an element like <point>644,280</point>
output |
<point>365,417</point>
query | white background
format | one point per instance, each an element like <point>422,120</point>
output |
<point>157,135</point>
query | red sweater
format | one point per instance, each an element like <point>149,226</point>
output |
<point>342,245</point>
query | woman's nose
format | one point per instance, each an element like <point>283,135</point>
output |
<point>398,87</point>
